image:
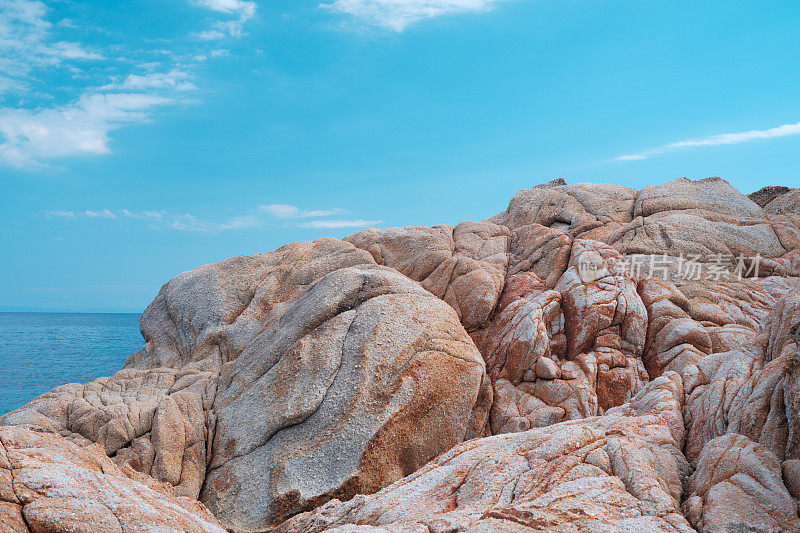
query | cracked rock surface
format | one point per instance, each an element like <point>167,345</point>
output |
<point>594,358</point>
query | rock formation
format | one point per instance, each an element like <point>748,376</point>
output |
<point>50,484</point>
<point>594,358</point>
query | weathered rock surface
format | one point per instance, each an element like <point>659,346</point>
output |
<point>48,484</point>
<point>738,487</point>
<point>271,383</point>
<point>635,355</point>
<point>465,266</point>
<point>618,472</point>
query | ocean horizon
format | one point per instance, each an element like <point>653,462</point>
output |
<point>42,350</point>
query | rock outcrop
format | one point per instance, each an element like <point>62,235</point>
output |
<point>619,472</point>
<point>271,383</point>
<point>594,358</point>
<point>49,484</point>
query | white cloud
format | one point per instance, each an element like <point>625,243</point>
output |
<point>104,213</point>
<point>30,44</point>
<point>399,14</point>
<point>240,7</point>
<point>255,217</point>
<point>334,224</point>
<point>188,222</point>
<point>164,219</point>
<point>243,10</point>
<point>175,79</point>
<point>77,118</point>
<point>291,211</point>
<point>27,43</point>
<point>65,214</point>
<point>716,140</point>
<point>211,35</point>
<point>27,137</point>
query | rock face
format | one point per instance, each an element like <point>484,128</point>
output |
<point>618,472</point>
<point>616,360</point>
<point>49,484</point>
<point>271,383</point>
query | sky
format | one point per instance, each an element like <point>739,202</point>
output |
<point>140,139</point>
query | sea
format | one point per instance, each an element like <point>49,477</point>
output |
<point>39,351</point>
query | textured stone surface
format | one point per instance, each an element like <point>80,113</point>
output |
<point>465,265</point>
<point>270,383</point>
<point>765,195</point>
<point>49,485</point>
<point>738,487</point>
<point>618,472</point>
<point>634,355</point>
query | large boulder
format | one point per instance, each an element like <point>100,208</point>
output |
<point>271,383</point>
<point>464,265</point>
<point>570,352</point>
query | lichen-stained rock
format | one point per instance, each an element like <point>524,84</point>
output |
<point>783,328</point>
<point>710,194</point>
<point>464,265</point>
<point>312,365</point>
<point>270,384</point>
<point>48,484</point>
<point>568,353</point>
<point>788,202</point>
<point>619,472</point>
<point>156,420</point>
<point>737,486</point>
<point>539,250</point>
<point>674,339</point>
<point>765,195</point>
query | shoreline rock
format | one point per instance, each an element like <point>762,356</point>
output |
<point>627,342</point>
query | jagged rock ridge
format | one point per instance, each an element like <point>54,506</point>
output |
<point>611,359</point>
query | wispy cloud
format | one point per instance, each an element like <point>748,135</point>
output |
<point>716,140</point>
<point>397,15</point>
<point>241,10</point>
<point>27,43</point>
<point>292,211</point>
<point>335,224</point>
<point>254,217</point>
<point>286,211</point>
<point>103,213</point>
<point>164,219</point>
<point>125,84</point>
<point>175,79</point>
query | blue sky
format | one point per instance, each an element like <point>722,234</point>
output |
<point>141,139</point>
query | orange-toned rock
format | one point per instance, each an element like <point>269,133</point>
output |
<point>464,265</point>
<point>271,383</point>
<point>48,484</point>
<point>619,472</point>
<point>738,487</point>
<point>613,341</point>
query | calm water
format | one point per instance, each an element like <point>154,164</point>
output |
<point>39,351</point>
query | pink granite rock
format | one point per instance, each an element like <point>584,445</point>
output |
<point>50,485</point>
<point>619,472</point>
<point>613,341</point>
